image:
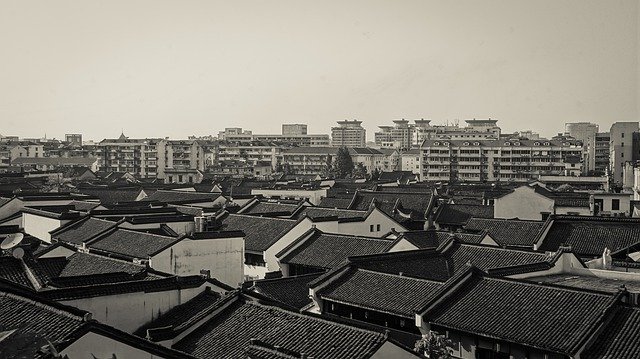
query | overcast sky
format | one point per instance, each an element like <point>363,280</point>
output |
<point>176,68</point>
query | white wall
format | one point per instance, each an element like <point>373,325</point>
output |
<point>224,257</point>
<point>40,226</point>
<point>288,238</point>
<point>130,311</point>
<point>92,345</point>
<point>523,203</point>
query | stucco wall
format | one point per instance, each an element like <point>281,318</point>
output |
<point>103,347</point>
<point>523,203</point>
<point>224,257</point>
<point>40,226</point>
<point>130,311</point>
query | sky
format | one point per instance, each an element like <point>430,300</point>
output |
<point>157,68</point>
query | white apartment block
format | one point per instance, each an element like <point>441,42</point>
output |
<point>498,160</point>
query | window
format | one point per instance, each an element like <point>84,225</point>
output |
<point>378,227</point>
<point>170,179</point>
<point>371,228</point>
<point>622,134</point>
<point>615,204</point>
<point>180,178</point>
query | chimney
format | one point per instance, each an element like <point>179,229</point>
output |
<point>206,273</point>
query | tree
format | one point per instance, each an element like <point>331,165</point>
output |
<point>375,174</point>
<point>434,346</point>
<point>360,171</point>
<point>344,163</point>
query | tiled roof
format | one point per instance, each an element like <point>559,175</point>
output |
<point>83,264</point>
<point>325,250</point>
<point>169,196</point>
<point>12,270</point>
<point>318,213</point>
<point>270,207</point>
<point>82,230</point>
<point>486,257</point>
<point>459,214</point>
<point>291,291</point>
<point>539,316</point>
<point>441,264</point>
<point>181,317</point>
<point>145,285</point>
<point>426,239</point>
<point>508,232</point>
<point>389,293</point>
<point>51,321</point>
<point>291,331</point>
<point>565,199</point>
<point>56,161</point>
<point>620,339</point>
<point>335,202</point>
<point>260,232</point>
<point>417,203</point>
<point>589,236</point>
<point>132,243</point>
<point>112,195</point>
<point>572,280</point>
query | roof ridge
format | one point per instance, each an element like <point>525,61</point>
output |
<point>357,269</point>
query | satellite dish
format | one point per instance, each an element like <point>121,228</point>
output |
<point>18,253</point>
<point>11,240</point>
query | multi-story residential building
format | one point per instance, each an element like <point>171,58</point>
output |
<point>410,161</point>
<point>585,132</point>
<point>370,158</point>
<point>621,148</point>
<point>137,156</point>
<point>235,134</point>
<point>406,136</point>
<point>292,134</point>
<point>180,161</point>
<point>308,160</point>
<point>601,153</point>
<point>398,136</point>
<point>498,160</point>
<point>294,129</point>
<point>349,134</point>
<point>250,151</point>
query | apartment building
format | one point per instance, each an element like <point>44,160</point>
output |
<point>621,148</point>
<point>403,135</point>
<point>398,136</point>
<point>349,133</point>
<point>498,160</point>
<point>601,153</point>
<point>180,161</point>
<point>152,158</point>
<point>250,151</point>
<point>585,132</point>
<point>292,134</point>
<point>136,156</point>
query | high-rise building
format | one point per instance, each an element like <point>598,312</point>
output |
<point>294,129</point>
<point>603,140</point>
<point>397,136</point>
<point>585,132</point>
<point>349,133</point>
<point>621,148</point>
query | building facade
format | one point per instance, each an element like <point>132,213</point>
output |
<point>621,148</point>
<point>498,160</point>
<point>349,134</point>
